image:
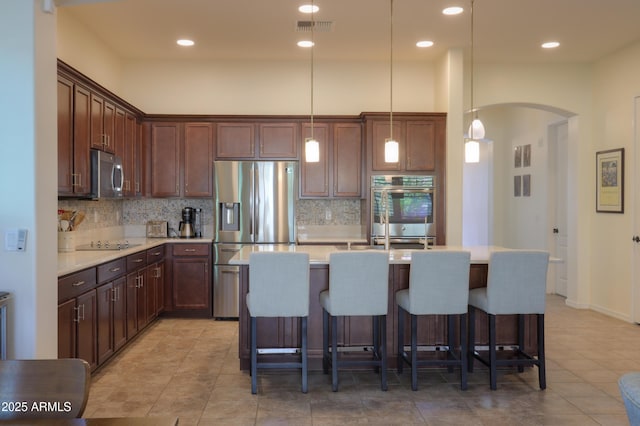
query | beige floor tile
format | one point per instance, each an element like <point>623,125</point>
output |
<point>190,368</point>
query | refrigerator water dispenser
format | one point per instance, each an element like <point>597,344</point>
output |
<point>230,215</point>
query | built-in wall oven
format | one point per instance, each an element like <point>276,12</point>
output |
<point>407,203</point>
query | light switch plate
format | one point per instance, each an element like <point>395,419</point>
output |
<point>15,240</point>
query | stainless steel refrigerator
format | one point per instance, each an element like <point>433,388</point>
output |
<point>254,204</point>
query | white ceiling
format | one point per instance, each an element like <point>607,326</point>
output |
<point>505,30</point>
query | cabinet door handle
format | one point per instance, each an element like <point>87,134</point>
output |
<point>114,269</point>
<point>114,294</point>
<point>158,253</point>
<point>78,283</point>
<point>137,260</point>
<point>189,250</point>
<point>79,313</point>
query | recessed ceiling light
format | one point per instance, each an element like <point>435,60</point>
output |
<point>305,43</point>
<point>424,43</point>
<point>453,10</point>
<point>307,8</point>
<point>550,45</point>
<point>185,42</point>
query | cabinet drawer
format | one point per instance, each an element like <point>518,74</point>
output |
<point>75,284</point>
<point>155,254</point>
<point>136,260</point>
<point>111,270</point>
<point>199,249</point>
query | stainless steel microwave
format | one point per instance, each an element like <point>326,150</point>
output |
<point>107,176</point>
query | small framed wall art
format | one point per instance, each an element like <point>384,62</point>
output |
<point>610,181</point>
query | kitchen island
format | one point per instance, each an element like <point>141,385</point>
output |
<point>357,331</point>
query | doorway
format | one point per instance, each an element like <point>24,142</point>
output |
<point>558,187</point>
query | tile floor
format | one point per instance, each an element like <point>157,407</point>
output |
<point>189,368</point>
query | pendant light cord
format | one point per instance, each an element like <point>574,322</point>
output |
<point>391,70</point>
<point>313,24</point>
<point>474,113</point>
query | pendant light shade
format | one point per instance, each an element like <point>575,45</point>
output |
<point>476,129</point>
<point>391,151</point>
<point>471,151</point>
<point>391,147</point>
<point>311,150</point>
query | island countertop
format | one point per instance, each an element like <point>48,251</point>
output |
<point>319,255</point>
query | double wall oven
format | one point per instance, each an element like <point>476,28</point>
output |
<point>407,203</point>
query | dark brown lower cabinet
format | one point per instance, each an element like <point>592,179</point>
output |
<point>189,286</point>
<point>112,314</point>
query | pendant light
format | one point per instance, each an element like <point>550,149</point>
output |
<point>311,145</point>
<point>476,129</point>
<point>391,149</point>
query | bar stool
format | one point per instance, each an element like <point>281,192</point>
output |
<point>278,287</point>
<point>358,286</point>
<point>438,285</point>
<point>516,284</point>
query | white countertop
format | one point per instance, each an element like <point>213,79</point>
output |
<point>77,260</point>
<point>319,255</point>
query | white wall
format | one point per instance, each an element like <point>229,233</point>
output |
<point>79,47</point>
<point>28,172</point>
<point>616,82</point>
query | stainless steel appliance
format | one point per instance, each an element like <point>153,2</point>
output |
<point>255,204</point>
<point>157,229</point>
<point>185,228</point>
<point>405,205</point>
<point>107,176</point>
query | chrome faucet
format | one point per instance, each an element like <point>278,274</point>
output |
<point>387,243</point>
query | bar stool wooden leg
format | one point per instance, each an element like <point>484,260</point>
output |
<point>400,358</point>
<point>305,363</point>
<point>325,341</point>
<point>334,353</point>
<point>414,352</point>
<point>254,356</point>
<point>492,352</point>
<point>463,351</point>
<point>521,333</point>
<point>383,351</point>
<point>542,377</point>
<point>451,338</point>
<point>471,339</point>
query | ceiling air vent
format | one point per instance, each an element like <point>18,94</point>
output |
<point>319,26</point>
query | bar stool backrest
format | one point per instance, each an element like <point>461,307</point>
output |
<point>517,282</point>
<point>279,284</point>
<point>359,283</point>
<point>439,282</point>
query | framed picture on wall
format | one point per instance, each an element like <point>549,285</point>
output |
<point>517,186</point>
<point>526,185</point>
<point>517,157</point>
<point>610,181</point>
<point>526,155</point>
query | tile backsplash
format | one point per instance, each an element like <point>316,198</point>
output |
<point>118,214</point>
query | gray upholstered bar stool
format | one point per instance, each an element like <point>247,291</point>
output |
<point>516,284</point>
<point>358,286</point>
<point>438,285</point>
<point>278,287</point>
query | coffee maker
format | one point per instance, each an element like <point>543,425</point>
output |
<point>186,227</point>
